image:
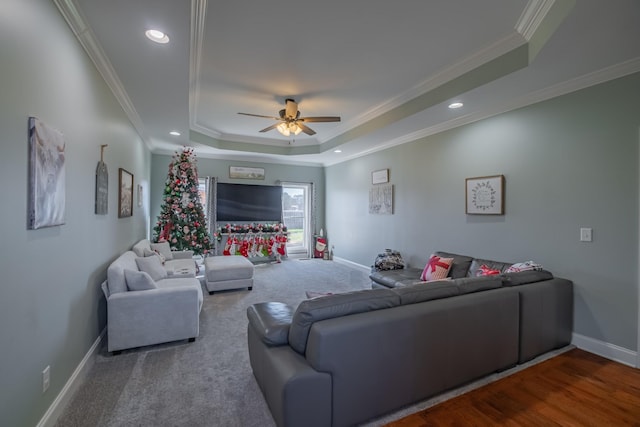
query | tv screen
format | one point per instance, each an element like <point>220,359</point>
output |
<point>245,202</point>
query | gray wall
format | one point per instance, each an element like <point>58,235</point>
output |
<point>220,168</point>
<point>51,306</point>
<point>569,162</point>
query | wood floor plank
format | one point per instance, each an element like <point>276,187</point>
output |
<point>575,388</point>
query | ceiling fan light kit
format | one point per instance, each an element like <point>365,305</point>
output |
<point>288,129</point>
<point>290,121</point>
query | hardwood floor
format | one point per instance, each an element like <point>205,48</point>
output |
<point>575,388</point>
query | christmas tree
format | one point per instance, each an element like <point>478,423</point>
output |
<point>181,221</point>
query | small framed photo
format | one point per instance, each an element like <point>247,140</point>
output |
<point>484,195</point>
<point>125,193</point>
<point>380,177</point>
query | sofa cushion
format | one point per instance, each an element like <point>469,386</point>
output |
<point>314,310</point>
<point>467,285</point>
<point>183,282</point>
<point>149,252</point>
<point>139,247</point>
<point>139,280</point>
<point>437,268</point>
<point>115,272</point>
<point>394,278</point>
<point>460,265</point>
<point>164,249</point>
<point>525,277</point>
<point>271,321</point>
<point>152,266</point>
<point>474,268</point>
<point>428,291</point>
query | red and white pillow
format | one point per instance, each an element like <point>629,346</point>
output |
<point>484,270</point>
<point>437,268</point>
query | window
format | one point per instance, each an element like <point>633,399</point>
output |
<point>296,212</point>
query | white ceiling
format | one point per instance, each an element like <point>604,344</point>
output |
<point>389,69</point>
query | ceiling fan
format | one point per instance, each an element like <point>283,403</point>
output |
<point>290,121</point>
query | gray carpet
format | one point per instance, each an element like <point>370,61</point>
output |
<point>209,382</point>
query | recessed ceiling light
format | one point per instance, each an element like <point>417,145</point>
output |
<point>157,36</point>
<point>455,105</point>
<point>337,151</point>
<point>174,133</point>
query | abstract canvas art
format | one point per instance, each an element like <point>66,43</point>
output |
<point>46,201</point>
<point>381,199</point>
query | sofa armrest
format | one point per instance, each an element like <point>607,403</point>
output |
<point>139,318</point>
<point>182,254</point>
<point>271,322</point>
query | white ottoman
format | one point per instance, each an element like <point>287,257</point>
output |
<point>227,272</point>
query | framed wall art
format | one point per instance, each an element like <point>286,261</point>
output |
<point>485,195</point>
<point>239,172</point>
<point>381,200</point>
<point>380,177</point>
<point>46,198</point>
<point>125,193</point>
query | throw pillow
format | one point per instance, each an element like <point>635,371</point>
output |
<point>486,271</point>
<point>523,266</point>
<point>152,266</point>
<point>149,252</point>
<point>163,248</point>
<point>436,269</point>
<point>138,280</point>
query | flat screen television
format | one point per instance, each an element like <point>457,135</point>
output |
<point>246,202</point>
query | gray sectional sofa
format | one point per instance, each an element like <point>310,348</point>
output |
<point>343,359</point>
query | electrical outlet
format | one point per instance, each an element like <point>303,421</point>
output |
<point>46,378</point>
<point>585,235</point>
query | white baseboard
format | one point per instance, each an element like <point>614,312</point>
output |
<point>73,384</point>
<point>352,264</point>
<point>607,350</point>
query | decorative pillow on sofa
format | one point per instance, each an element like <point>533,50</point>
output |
<point>486,271</point>
<point>163,248</point>
<point>149,252</point>
<point>436,269</point>
<point>138,280</point>
<point>523,266</point>
<point>152,266</point>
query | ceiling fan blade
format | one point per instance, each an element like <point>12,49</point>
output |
<point>273,126</point>
<point>319,119</point>
<point>258,115</point>
<point>291,108</point>
<point>306,129</point>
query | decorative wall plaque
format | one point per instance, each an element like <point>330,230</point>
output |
<point>102,186</point>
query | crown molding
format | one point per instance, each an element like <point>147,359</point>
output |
<point>76,21</point>
<point>532,16</point>
<point>471,62</point>
<point>198,14</point>
<point>582,82</point>
<point>526,26</point>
